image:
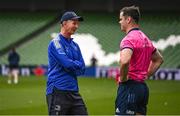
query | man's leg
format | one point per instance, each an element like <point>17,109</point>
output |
<point>79,109</point>
<point>10,77</point>
<point>78,106</point>
<point>54,107</point>
<point>121,99</point>
<point>142,105</point>
<point>15,75</point>
<point>59,103</point>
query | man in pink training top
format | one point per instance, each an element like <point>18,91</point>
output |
<point>139,59</point>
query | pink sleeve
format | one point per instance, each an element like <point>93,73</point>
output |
<point>153,48</point>
<point>126,43</point>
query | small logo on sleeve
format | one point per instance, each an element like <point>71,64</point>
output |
<point>56,43</point>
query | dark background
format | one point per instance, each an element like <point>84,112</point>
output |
<point>89,5</point>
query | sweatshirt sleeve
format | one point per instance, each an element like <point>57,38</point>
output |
<point>60,56</point>
<point>81,70</point>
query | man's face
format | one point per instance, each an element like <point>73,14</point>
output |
<point>123,22</point>
<point>71,26</point>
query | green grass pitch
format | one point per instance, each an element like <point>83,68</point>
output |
<point>28,97</point>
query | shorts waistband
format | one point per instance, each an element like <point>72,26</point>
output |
<point>131,81</point>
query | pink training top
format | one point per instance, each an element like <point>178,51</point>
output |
<point>142,49</point>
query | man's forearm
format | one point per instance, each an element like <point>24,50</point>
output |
<point>156,61</point>
<point>123,72</point>
<point>153,67</point>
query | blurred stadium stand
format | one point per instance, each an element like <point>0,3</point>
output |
<point>19,18</point>
<point>28,26</point>
<point>88,5</point>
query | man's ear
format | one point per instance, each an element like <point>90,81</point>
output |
<point>64,23</point>
<point>129,19</point>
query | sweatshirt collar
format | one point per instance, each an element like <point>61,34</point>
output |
<point>68,40</point>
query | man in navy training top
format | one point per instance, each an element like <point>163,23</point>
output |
<point>13,59</point>
<point>65,63</point>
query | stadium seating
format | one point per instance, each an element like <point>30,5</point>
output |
<point>14,26</point>
<point>103,26</point>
